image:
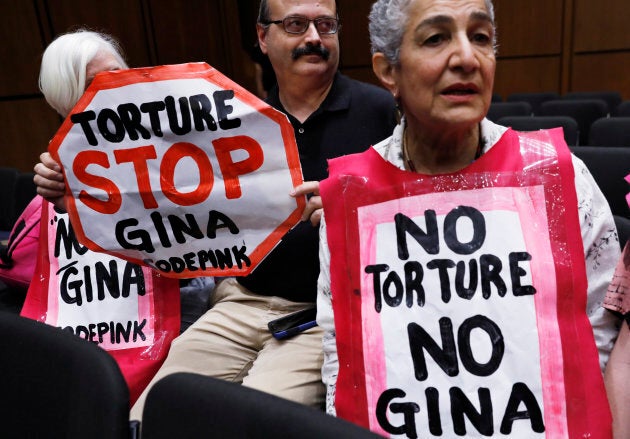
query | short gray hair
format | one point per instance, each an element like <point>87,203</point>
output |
<point>263,11</point>
<point>387,24</point>
<point>62,73</point>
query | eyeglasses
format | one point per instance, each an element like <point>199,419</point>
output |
<point>297,24</point>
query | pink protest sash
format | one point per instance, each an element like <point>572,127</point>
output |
<point>460,299</point>
<point>130,311</point>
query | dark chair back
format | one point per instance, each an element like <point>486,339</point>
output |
<point>498,110</point>
<point>16,191</point>
<point>610,131</point>
<point>623,109</point>
<point>533,123</point>
<point>585,112</point>
<point>623,229</point>
<point>534,99</point>
<point>612,98</point>
<point>609,165</point>
<point>185,405</point>
<point>57,385</point>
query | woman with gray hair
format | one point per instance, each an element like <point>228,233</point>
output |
<point>463,264</point>
<point>70,63</point>
<point>65,267</point>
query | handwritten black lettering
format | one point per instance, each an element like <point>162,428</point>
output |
<point>480,419</point>
<point>217,258</point>
<point>169,229</point>
<point>115,332</point>
<point>446,355</point>
<point>126,121</point>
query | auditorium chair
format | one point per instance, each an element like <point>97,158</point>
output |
<point>610,131</point>
<point>16,191</point>
<point>498,110</point>
<point>623,229</point>
<point>584,111</point>
<point>533,123</point>
<point>57,385</point>
<point>623,109</point>
<point>612,98</point>
<point>185,405</point>
<point>533,98</point>
<point>609,165</point>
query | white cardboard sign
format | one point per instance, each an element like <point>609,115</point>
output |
<point>179,168</point>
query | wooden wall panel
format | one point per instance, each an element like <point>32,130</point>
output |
<point>122,18</point>
<point>365,74</point>
<point>354,40</point>
<point>187,32</point>
<point>601,25</point>
<point>527,75</point>
<point>605,71</point>
<point>241,66</point>
<point>354,36</point>
<point>21,48</point>
<point>532,27</point>
<point>27,127</point>
<point>199,30</point>
<point>247,12</point>
<point>530,43</point>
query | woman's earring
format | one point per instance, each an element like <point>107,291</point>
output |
<point>399,112</point>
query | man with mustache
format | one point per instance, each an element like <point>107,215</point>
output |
<point>332,115</point>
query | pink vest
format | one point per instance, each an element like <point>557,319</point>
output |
<point>130,311</point>
<point>460,299</point>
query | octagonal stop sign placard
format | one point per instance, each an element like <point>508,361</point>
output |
<point>178,168</point>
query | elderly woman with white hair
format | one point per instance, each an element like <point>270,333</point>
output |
<point>463,264</point>
<point>69,65</point>
<point>75,288</point>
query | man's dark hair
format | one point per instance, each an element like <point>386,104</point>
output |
<point>263,11</point>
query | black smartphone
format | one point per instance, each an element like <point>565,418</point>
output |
<point>291,324</point>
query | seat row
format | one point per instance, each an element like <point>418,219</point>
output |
<point>17,189</point>
<point>585,108</point>
<point>613,99</point>
<point>608,166</point>
<point>610,131</point>
<point>57,385</point>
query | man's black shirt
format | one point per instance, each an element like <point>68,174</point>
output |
<point>353,117</point>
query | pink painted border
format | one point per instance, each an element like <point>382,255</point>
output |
<point>145,303</point>
<point>527,202</point>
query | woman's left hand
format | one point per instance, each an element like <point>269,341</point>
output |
<point>49,180</point>
<point>314,207</point>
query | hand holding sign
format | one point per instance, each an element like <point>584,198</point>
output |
<point>49,180</point>
<point>314,209</point>
<point>164,166</point>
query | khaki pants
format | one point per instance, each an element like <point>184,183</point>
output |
<point>231,341</point>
